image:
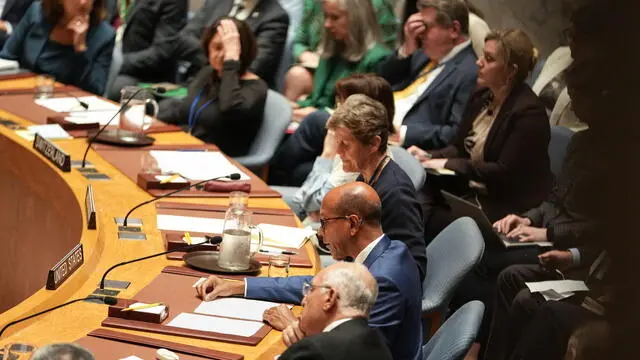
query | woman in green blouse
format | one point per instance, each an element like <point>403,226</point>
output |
<point>350,43</point>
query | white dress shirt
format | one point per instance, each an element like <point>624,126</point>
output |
<point>335,324</point>
<point>364,254</point>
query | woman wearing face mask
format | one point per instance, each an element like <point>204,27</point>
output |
<point>501,148</point>
<point>66,39</point>
<point>350,44</point>
<point>225,101</point>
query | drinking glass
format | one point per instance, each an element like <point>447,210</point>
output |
<point>141,107</point>
<point>18,351</point>
<point>279,265</point>
<point>44,86</point>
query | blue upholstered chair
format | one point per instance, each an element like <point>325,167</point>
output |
<point>560,139</point>
<point>410,165</point>
<point>277,115</point>
<point>450,257</point>
<point>454,339</point>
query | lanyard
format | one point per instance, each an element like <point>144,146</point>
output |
<point>378,170</point>
<point>124,9</point>
<point>193,113</point>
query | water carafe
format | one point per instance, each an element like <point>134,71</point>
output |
<point>235,249</point>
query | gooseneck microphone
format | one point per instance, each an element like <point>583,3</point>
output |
<point>209,240</point>
<point>107,300</point>
<point>159,90</point>
<point>233,176</point>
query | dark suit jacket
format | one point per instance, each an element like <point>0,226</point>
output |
<point>516,168</point>
<point>150,24</point>
<point>268,21</point>
<point>396,312</point>
<point>433,120</point>
<point>571,212</point>
<point>13,11</point>
<point>353,339</point>
<point>31,35</point>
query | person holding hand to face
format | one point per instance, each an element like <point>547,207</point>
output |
<point>66,39</point>
<point>225,102</point>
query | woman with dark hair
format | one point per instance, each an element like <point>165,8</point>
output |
<point>66,39</point>
<point>225,102</point>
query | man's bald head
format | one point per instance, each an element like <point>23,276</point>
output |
<point>356,198</point>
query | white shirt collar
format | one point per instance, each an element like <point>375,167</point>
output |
<point>335,324</point>
<point>364,254</point>
<point>455,51</point>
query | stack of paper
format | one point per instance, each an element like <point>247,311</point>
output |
<point>216,324</point>
<point>192,224</point>
<point>557,289</point>
<point>6,65</point>
<point>285,236</point>
<point>66,104</point>
<point>51,132</point>
<point>195,165</point>
<point>238,308</point>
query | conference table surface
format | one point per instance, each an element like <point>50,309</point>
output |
<point>102,249</point>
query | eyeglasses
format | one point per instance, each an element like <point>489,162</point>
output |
<point>323,222</point>
<point>308,287</point>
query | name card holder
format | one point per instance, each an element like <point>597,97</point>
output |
<point>52,152</point>
<point>65,267</point>
<point>90,208</point>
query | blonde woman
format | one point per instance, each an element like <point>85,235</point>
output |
<point>350,44</point>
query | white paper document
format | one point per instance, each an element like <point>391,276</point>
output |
<point>216,324</point>
<point>238,308</point>
<point>50,131</point>
<point>101,117</point>
<point>6,65</point>
<point>555,296</point>
<point>559,286</point>
<point>195,165</point>
<point>152,310</point>
<point>67,104</point>
<point>193,224</point>
<point>284,236</point>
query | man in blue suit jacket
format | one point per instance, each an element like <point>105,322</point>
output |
<point>350,218</point>
<point>432,84</point>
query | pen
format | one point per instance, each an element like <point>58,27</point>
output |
<point>142,307</point>
<point>187,237</point>
<point>283,252</point>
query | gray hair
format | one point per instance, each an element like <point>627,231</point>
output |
<point>364,31</point>
<point>358,289</point>
<point>449,11</point>
<point>364,117</point>
<point>62,351</point>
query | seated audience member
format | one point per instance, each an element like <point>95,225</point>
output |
<point>65,39</point>
<point>350,44</point>
<point>434,109</point>
<point>226,101</point>
<point>299,79</point>
<point>62,351</point>
<point>142,27</point>
<point>526,326</point>
<point>501,150</point>
<point>12,12</point>
<point>266,18</point>
<point>589,342</point>
<point>327,171</point>
<point>333,324</point>
<point>432,84</point>
<point>350,226</point>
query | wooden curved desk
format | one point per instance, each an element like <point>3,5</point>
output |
<point>44,219</point>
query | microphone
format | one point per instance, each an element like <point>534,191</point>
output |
<point>107,300</point>
<point>158,90</point>
<point>209,240</point>
<point>233,176</point>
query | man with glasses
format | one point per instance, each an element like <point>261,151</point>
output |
<point>334,319</point>
<point>350,217</point>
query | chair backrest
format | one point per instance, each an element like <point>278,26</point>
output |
<point>560,139</point>
<point>410,165</point>
<point>454,339</point>
<point>450,257</point>
<point>294,10</point>
<point>277,115</point>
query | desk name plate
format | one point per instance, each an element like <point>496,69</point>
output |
<point>65,267</point>
<point>52,152</point>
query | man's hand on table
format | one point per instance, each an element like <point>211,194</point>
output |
<point>215,287</point>
<point>279,317</point>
